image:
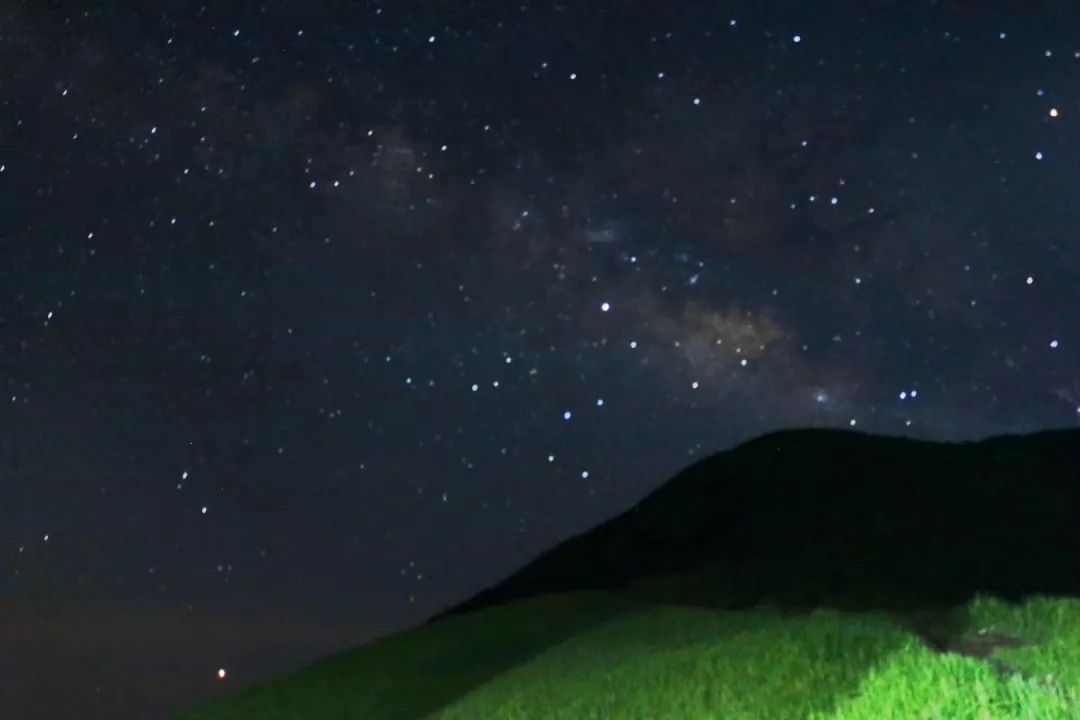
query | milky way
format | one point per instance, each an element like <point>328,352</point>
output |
<point>338,312</point>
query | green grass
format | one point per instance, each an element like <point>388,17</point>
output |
<point>618,657</point>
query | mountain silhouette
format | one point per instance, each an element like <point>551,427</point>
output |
<point>807,518</point>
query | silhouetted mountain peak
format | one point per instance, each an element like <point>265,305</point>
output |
<point>833,516</point>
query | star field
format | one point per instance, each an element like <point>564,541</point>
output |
<point>316,318</point>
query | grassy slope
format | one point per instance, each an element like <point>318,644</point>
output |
<point>608,655</point>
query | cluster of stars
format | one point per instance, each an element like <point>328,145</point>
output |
<point>675,250</point>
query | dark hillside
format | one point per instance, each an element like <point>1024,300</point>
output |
<point>801,518</point>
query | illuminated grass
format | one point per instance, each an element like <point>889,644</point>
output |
<point>597,655</point>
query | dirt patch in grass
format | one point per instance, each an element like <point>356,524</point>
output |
<point>941,630</point>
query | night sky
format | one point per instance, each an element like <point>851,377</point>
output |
<point>318,317</point>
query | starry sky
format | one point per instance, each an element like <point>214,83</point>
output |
<point>317,317</point>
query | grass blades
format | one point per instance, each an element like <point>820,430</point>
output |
<point>604,656</point>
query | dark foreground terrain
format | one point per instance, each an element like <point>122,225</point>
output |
<point>805,575</point>
<point>808,518</point>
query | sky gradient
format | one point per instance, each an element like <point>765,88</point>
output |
<point>316,318</point>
